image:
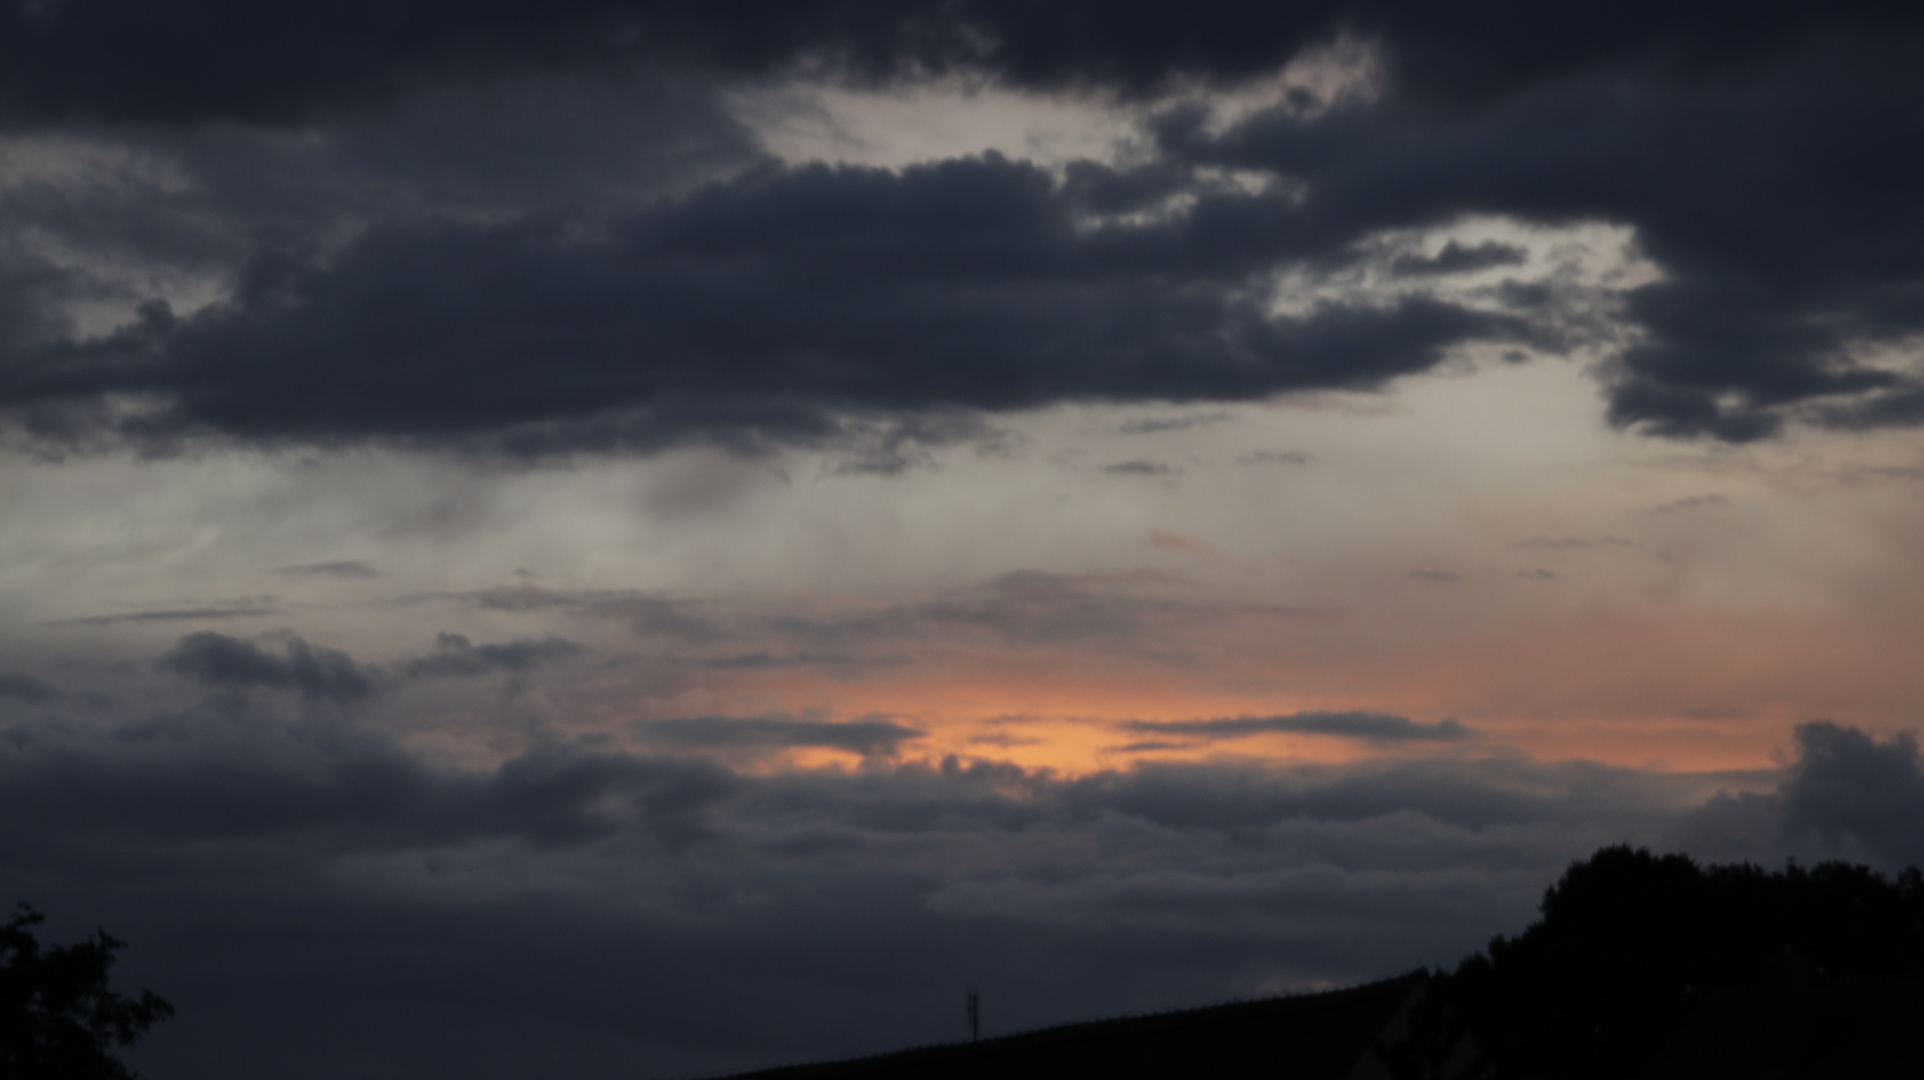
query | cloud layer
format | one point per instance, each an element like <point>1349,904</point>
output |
<point>245,840</point>
<point>988,494</point>
<point>427,291</point>
<point>101,58</point>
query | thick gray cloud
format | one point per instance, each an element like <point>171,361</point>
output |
<point>1845,794</point>
<point>283,661</point>
<point>1365,726</point>
<point>1847,784</point>
<point>316,673</point>
<point>333,786</point>
<point>419,281</point>
<point>766,308</point>
<point>1772,200</point>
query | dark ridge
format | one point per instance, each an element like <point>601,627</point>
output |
<point>1311,1035</point>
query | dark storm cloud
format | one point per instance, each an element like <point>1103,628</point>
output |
<point>220,59</point>
<point>1773,199</point>
<point>455,655</point>
<point>1766,169</point>
<point>765,308</point>
<point>1364,726</point>
<point>92,214</point>
<point>866,737</point>
<point>283,662</point>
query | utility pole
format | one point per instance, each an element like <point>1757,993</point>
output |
<point>975,1015</point>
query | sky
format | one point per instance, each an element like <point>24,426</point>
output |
<point>649,539</point>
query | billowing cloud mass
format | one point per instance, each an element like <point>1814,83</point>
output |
<point>1844,791</point>
<point>1764,173</point>
<point>643,538</point>
<point>217,660</point>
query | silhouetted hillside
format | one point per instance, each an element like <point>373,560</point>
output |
<point>1641,964</point>
<point>1312,1035</point>
<point>1630,943</point>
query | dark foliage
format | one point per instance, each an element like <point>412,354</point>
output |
<point>1630,940</point>
<point>59,1020</point>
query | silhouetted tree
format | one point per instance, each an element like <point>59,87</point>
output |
<point>59,1020</point>
<point>1629,941</point>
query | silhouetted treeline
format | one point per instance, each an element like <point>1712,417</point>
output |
<point>1629,941</point>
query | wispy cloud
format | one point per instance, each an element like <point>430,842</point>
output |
<point>455,655</point>
<point>1363,726</point>
<point>341,568</point>
<point>1149,425</point>
<point>252,608</point>
<point>868,736</point>
<point>1141,467</point>
<point>1694,502</point>
<point>1574,543</point>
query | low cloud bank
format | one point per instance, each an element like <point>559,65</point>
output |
<point>323,893</point>
<point>650,914</point>
<point>1846,793</point>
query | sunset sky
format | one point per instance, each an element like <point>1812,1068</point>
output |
<point>633,538</point>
